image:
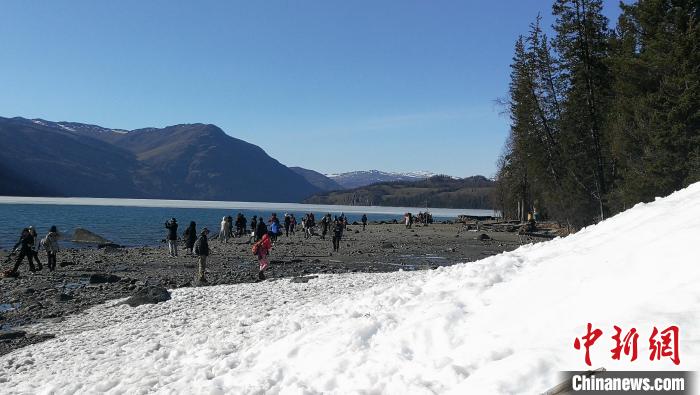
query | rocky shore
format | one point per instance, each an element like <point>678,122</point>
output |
<point>89,276</point>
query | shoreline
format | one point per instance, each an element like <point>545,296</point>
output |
<point>236,205</point>
<point>34,298</point>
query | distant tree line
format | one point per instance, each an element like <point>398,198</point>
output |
<point>437,191</point>
<point>602,118</point>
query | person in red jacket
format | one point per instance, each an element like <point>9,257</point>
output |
<point>261,249</point>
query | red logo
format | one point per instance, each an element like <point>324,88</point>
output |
<point>663,344</point>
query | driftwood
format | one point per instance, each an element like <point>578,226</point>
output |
<point>565,387</point>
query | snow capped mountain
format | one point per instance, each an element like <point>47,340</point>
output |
<point>77,127</point>
<point>362,178</point>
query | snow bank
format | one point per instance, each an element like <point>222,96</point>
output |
<point>505,324</point>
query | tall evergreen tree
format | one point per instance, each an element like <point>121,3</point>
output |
<point>582,46</point>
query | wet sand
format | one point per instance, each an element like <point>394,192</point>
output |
<point>32,298</point>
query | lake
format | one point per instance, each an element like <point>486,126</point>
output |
<point>140,222</point>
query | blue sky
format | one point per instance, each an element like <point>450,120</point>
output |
<point>327,85</point>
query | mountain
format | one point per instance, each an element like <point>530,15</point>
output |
<point>437,191</point>
<point>317,179</point>
<point>190,161</point>
<point>355,179</point>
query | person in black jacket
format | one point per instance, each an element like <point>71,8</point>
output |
<point>239,225</point>
<point>338,227</point>
<point>229,219</point>
<point>26,241</point>
<point>364,221</point>
<point>287,224</point>
<point>253,228</point>
<point>325,223</point>
<point>190,237</point>
<point>172,236</point>
<point>260,230</point>
<point>201,248</point>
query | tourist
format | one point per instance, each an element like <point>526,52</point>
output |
<point>364,221</point>
<point>35,248</point>
<point>171,226</point>
<point>201,248</point>
<point>293,224</point>
<point>26,241</point>
<point>309,225</point>
<point>260,230</point>
<point>229,224</point>
<point>287,223</point>
<point>261,249</point>
<point>240,227</point>
<point>275,227</point>
<point>190,237</point>
<point>223,230</point>
<point>337,234</point>
<point>50,243</point>
<point>304,219</point>
<point>254,224</point>
<point>325,224</point>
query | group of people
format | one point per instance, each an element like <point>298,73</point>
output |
<point>263,235</point>
<point>422,218</point>
<point>28,248</point>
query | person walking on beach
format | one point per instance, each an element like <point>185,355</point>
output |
<point>275,227</point>
<point>407,220</point>
<point>171,226</point>
<point>35,248</point>
<point>309,224</point>
<point>190,237</point>
<point>337,234</point>
<point>253,229</point>
<point>201,248</point>
<point>229,223</point>
<point>50,243</point>
<point>364,221</point>
<point>26,241</point>
<point>303,225</point>
<point>325,223</point>
<point>240,227</point>
<point>261,249</point>
<point>223,231</point>
<point>292,224</point>
<point>287,224</point>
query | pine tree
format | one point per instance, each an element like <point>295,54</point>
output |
<point>582,45</point>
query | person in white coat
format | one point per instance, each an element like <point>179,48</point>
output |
<point>224,232</point>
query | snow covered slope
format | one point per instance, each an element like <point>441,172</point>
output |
<point>505,324</point>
